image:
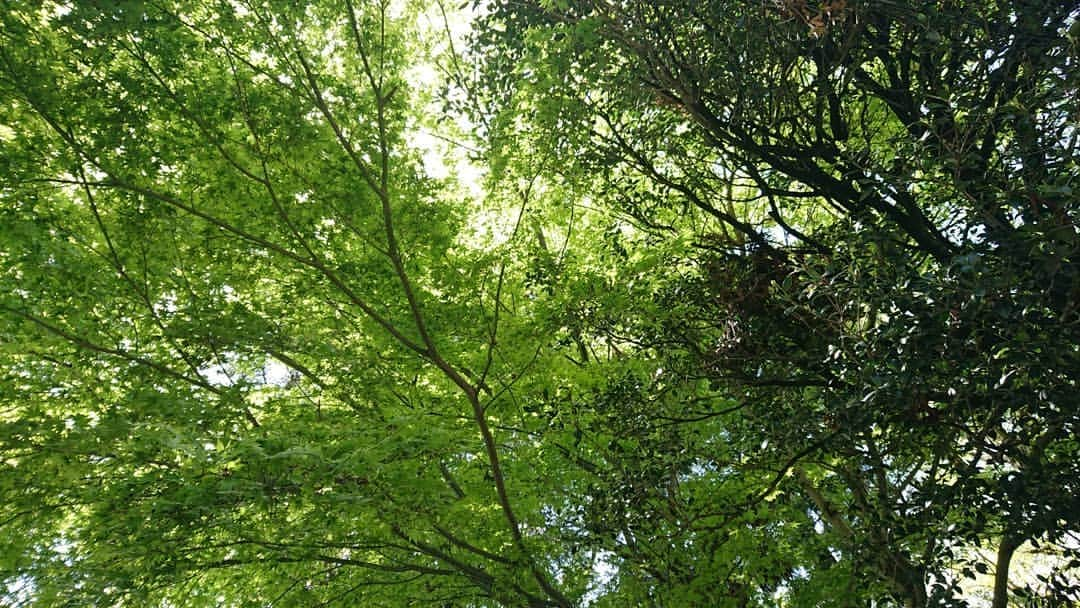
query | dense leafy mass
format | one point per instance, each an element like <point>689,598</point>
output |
<point>754,304</point>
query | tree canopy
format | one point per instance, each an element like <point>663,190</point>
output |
<point>742,304</point>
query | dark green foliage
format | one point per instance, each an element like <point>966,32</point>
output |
<point>882,200</point>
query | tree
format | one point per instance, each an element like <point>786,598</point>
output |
<point>762,304</point>
<point>249,355</point>
<point>882,198</point>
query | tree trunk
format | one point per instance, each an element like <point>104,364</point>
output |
<point>1008,546</point>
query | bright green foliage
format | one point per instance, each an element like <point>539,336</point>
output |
<point>762,304</point>
<point>249,358</point>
